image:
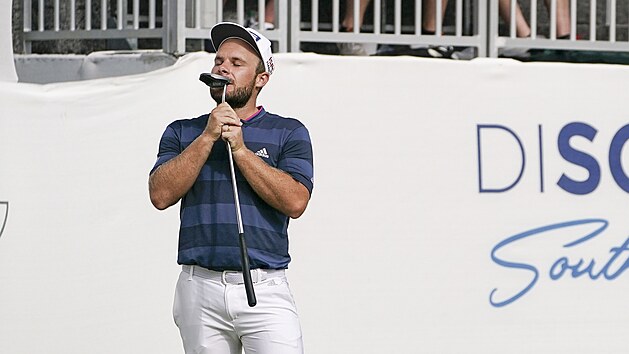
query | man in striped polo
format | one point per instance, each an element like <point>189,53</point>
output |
<point>274,170</point>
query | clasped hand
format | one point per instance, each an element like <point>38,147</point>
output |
<point>224,123</point>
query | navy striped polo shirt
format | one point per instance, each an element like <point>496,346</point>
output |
<point>208,235</point>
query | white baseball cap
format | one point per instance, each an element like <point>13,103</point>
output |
<point>226,30</point>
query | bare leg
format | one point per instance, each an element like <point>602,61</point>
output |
<point>269,11</point>
<point>348,20</point>
<point>563,17</point>
<point>429,21</point>
<point>522,28</point>
<point>348,25</point>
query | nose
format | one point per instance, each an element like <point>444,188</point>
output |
<point>222,70</point>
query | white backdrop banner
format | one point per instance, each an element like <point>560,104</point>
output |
<point>459,207</point>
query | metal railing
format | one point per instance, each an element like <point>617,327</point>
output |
<point>89,29</point>
<point>391,25</point>
<point>590,40</point>
<point>469,23</point>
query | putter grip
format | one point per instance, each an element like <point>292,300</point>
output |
<point>246,272</point>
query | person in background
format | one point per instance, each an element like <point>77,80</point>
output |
<point>347,25</point>
<point>523,29</point>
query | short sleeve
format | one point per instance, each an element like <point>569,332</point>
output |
<point>296,157</point>
<point>169,146</point>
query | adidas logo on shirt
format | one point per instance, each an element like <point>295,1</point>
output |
<point>262,153</point>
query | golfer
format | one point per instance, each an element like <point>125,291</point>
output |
<point>274,172</point>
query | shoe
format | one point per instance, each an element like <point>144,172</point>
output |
<point>359,49</point>
<point>441,51</point>
<point>252,22</point>
<point>468,53</point>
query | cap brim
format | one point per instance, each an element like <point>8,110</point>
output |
<point>226,30</point>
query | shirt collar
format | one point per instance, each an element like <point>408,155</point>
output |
<point>256,115</point>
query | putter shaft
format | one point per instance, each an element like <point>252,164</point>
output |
<point>244,256</point>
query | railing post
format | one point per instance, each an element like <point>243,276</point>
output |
<point>282,16</point>
<point>28,24</point>
<point>293,28</point>
<point>209,12</point>
<point>482,33</point>
<point>492,27</point>
<point>174,40</point>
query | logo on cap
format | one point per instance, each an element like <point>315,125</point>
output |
<point>257,38</point>
<point>270,65</point>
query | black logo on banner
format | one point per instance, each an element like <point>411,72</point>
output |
<point>4,213</point>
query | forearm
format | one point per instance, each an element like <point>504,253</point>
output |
<point>276,187</point>
<point>172,180</point>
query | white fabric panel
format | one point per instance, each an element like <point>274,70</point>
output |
<point>394,252</point>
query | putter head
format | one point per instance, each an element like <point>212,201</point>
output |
<point>214,80</point>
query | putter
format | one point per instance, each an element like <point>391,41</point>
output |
<point>218,81</point>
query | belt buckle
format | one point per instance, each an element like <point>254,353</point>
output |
<point>241,279</point>
<point>258,273</point>
<point>224,276</point>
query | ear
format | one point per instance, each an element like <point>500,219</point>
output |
<point>262,79</point>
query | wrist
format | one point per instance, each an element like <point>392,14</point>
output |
<point>206,140</point>
<point>239,151</point>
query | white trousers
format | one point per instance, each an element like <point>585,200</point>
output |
<point>213,315</point>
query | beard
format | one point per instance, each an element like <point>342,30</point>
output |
<point>236,99</point>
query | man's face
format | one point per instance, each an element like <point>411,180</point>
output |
<point>236,60</point>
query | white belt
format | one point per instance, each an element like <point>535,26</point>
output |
<point>232,276</point>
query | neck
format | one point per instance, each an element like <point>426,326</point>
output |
<point>248,109</point>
